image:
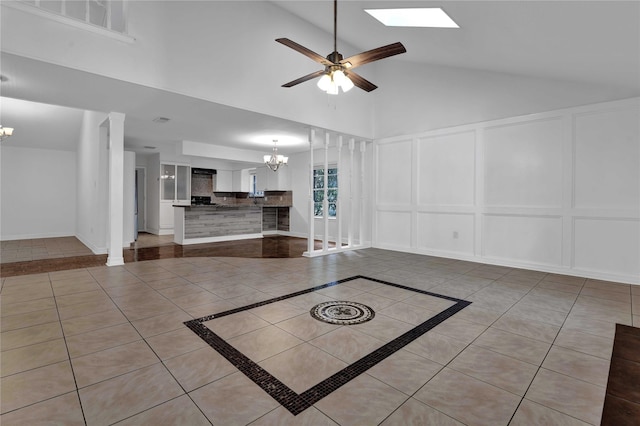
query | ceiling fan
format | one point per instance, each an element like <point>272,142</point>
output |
<point>338,71</point>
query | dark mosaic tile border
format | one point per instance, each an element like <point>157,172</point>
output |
<point>291,400</point>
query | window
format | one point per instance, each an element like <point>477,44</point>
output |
<point>318,191</point>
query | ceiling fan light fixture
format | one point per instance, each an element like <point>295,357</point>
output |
<point>324,82</point>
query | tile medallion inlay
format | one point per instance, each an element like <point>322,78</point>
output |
<point>298,402</point>
<point>342,312</point>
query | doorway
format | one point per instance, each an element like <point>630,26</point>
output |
<point>141,200</point>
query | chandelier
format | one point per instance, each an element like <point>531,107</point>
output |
<point>273,160</point>
<point>5,132</point>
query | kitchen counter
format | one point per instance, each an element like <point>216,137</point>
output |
<point>194,224</point>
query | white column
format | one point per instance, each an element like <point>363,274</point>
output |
<point>310,238</point>
<point>339,200</point>
<point>325,201</point>
<point>352,203</point>
<point>363,146</point>
<point>116,188</point>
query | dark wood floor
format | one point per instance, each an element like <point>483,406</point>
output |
<point>275,246</point>
<point>622,401</point>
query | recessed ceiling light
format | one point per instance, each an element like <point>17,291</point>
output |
<point>160,120</point>
<point>413,17</point>
<point>149,147</point>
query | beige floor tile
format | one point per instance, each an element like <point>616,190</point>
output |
<point>92,322</point>
<point>179,411</point>
<point>375,302</point>
<point>198,368</point>
<point>195,299</point>
<point>136,308</point>
<point>61,410</point>
<point>84,309</point>
<point>264,343</point>
<point>282,417</point>
<point>578,365</point>
<point>606,293</point>
<point>161,323</point>
<point>26,292</point>
<point>180,291</point>
<point>38,384</point>
<point>232,291</point>
<point>103,338</point>
<point>408,313</point>
<point>347,344</point>
<point>532,329</point>
<point>210,308</point>
<point>608,285</point>
<point>601,313</point>
<point>458,329</point>
<point>405,371</point>
<point>17,308</point>
<point>496,369</point>
<point>530,413</point>
<point>30,335</point>
<point>305,327</point>
<point>235,324</point>
<point>538,314</point>
<point>174,343</point>
<point>468,400</point>
<point>233,400</point>
<point>383,327</point>
<point>475,314</point>
<point>605,304</point>
<point>513,345</point>
<point>84,297</point>
<point>414,412</point>
<point>573,397</point>
<point>124,396</point>
<point>302,367</point>
<point>430,303</point>
<point>586,324</point>
<point>69,287</point>
<point>549,299</point>
<point>28,319</point>
<point>566,288</point>
<point>33,356</point>
<point>103,365</point>
<point>362,401</point>
<point>278,311</point>
<point>585,343</point>
<point>436,347</point>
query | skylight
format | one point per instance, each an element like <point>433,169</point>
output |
<point>413,17</point>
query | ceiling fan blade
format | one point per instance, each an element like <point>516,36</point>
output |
<point>360,81</point>
<point>374,55</point>
<point>305,78</point>
<point>306,52</point>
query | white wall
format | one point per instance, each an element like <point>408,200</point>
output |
<point>92,188</point>
<point>414,98</point>
<point>38,193</point>
<point>557,191</point>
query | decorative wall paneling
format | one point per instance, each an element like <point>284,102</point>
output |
<point>351,201</point>
<point>557,191</point>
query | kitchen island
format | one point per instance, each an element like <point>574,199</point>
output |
<point>195,224</point>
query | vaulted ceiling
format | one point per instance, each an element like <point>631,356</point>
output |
<point>591,42</point>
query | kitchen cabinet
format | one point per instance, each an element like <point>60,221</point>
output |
<point>175,188</point>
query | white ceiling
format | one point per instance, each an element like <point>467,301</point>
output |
<point>596,42</point>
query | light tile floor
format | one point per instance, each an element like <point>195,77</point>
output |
<point>103,345</point>
<point>42,248</point>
